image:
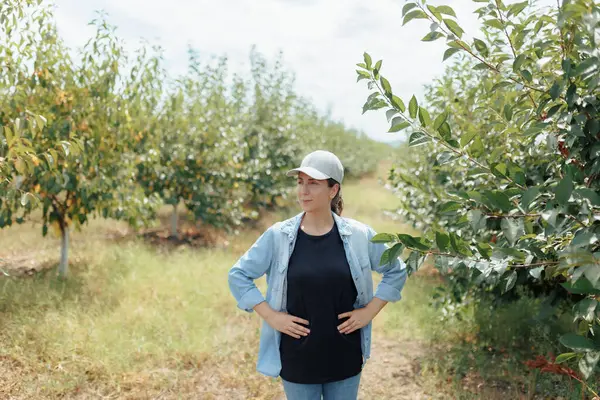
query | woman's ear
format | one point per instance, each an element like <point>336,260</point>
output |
<point>336,190</point>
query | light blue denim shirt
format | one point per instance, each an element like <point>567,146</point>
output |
<point>270,255</point>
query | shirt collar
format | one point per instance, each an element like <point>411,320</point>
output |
<point>290,226</point>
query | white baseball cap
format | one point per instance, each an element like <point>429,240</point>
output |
<point>321,164</point>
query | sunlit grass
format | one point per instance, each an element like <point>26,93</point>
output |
<point>135,320</point>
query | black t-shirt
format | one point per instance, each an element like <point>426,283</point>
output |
<point>320,287</point>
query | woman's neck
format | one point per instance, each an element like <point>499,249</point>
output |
<point>317,222</point>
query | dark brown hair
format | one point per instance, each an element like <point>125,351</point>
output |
<point>337,203</point>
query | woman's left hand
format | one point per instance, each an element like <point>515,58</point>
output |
<point>358,319</point>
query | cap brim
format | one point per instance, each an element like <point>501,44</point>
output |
<point>312,172</point>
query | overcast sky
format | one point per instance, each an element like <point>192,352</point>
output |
<point>321,40</point>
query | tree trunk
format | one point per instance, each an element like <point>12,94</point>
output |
<point>64,251</point>
<point>174,220</point>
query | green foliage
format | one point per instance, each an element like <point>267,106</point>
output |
<point>506,179</point>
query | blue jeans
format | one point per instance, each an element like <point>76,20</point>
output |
<point>346,389</point>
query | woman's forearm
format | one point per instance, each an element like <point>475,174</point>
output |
<point>376,304</point>
<point>264,310</point>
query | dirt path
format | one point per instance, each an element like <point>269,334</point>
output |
<point>393,370</point>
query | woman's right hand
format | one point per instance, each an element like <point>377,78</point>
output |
<point>288,324</point>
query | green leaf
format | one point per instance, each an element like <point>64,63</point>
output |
<point>563,190</point>
<point>378,65</point>
<point>526,75</point>
<point>407,7</point>
<point>435,12</point>
<point>445,157</point>
<point>518,62</point>
<point>395,251</point>
<point>398,123</point>
<point>454,27</point>
<point>362,75</point>
<point>424,117</point>
<point>589,194</point>
<point>494,23</point>
<point>442,241</point>
<point>8,135</point>
<point>500,84</point>
<point>576,342</point>
<point>513,229</point>
<point>529,195</point>
<point>515,9</point>
<point>450,52</point>
<point>586,65</point>
<point>466,138</point>
<point>415,14</point>
<point>555,90</point>
<point>418,138</point>
<point>584,238</point>
<point>476,149</point>
<point>390,113</point>
<point>414,242</point>
<point>582,286</point>
<point>368,60</point>
<point>385,85</point>
<point>459,245</point>
<point>507,112</point>
<point>585,308</point>
<point>510,281</point>
<point>445,131</point>
<point>481,47</point>
<point>564,357</point>
<point>439,120</point>
<point>398,103</point>
<point>413,107</point>
<point>446,10</point>
<point>498,199</point>
<point>476,219</point>
<point>449,207</point>
<point>40,122</point>
<point>431,36</point>
<point>384,238</point>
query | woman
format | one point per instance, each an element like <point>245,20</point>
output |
<point>316,331</point>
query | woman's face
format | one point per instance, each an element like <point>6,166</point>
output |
<point>314,194</point>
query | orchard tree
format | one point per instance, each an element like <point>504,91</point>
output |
<point>84,110</point>
<point>18,125</point>
<point>507,184</point>
<point>195,156</point>
<point>269,145</point>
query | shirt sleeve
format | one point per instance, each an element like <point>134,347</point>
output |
<point>394,272</point>
<point>251,266</point>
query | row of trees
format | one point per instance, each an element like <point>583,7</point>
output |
<point>506,176</point>
<point>112,134</point>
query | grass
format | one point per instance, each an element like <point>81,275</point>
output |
<point>138,321</point>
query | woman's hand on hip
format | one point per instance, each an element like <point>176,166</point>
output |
<point>358,319</point>
<point>288,324</point>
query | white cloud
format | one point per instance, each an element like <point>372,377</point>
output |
<point>321,40</point>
